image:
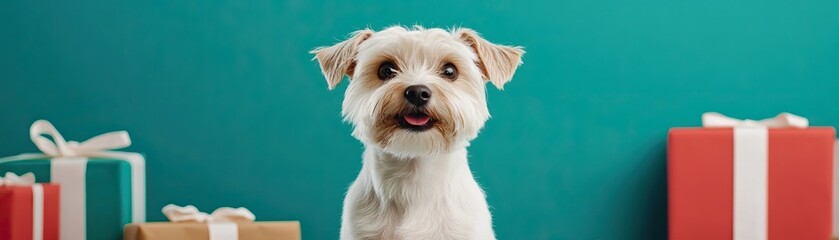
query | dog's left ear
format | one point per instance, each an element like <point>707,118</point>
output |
<point>339,59</point>
<point>497,62</point>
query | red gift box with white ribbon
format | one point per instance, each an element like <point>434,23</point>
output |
<point>755,180</point>
<point>28,211</point>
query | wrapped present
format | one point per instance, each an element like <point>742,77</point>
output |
<point>756,180</point>
<point>187,223</point>
<point>101,190</point>
<point>28,210</point>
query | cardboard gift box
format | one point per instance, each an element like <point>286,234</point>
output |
<point>288,230</point>
<point>732,179</point>
<point>187,223</point>
<point>101,190</point>
<point>28,211</point>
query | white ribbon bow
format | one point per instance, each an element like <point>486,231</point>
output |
<point>190,213</point>
<point>58,147</point>
<point>713,119</point>
<point>12,179</point>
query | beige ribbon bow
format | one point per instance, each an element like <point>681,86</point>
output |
<point>12,179</point>
<point>58,147</point>
<point>713,119</point>
<point>190,213</point>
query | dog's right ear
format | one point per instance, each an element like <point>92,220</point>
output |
<point>339,59</point>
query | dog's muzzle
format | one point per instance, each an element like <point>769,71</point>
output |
<point>416,118</point>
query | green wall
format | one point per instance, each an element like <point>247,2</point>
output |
<point>223,99</point>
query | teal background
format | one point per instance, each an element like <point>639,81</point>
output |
<point>222,98</point>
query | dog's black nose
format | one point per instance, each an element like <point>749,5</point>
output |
<point>418,94</point>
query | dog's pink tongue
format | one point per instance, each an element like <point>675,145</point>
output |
<point>417,120</point>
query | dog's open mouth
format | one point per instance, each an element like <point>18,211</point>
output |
<point>415,121</point>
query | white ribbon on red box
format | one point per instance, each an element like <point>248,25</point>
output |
<point>28,179</point>
<point>70,168</point>
<point>751,155</point>
<point>221,223</point>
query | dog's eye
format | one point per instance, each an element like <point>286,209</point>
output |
<point>386,71</point>
<point>449,71</point>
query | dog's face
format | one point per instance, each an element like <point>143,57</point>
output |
<point>420,91</point>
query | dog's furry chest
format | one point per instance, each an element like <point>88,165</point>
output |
<point>376,219</point>
<point>410,200</point>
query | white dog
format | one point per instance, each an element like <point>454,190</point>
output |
<point>416,98</point>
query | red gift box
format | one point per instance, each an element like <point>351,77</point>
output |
<point>796,172</point>
<point>16,212</point>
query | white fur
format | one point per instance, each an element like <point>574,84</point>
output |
<point>415,185</point>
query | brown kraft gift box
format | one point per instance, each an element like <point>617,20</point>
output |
<point>286,230</point>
